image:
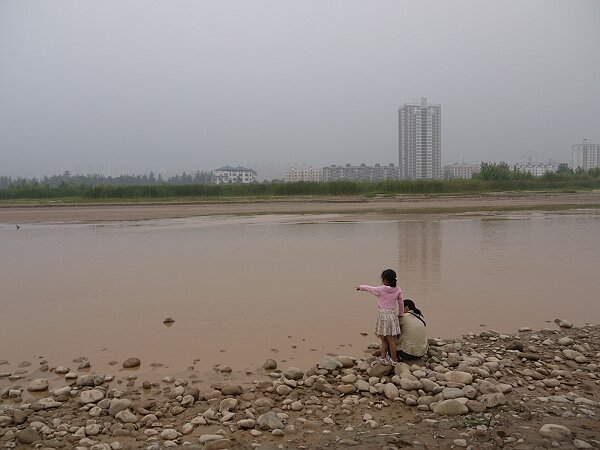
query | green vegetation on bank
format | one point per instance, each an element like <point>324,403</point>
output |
<point>491,178</point>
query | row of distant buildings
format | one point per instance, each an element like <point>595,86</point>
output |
<point>419,156</point>
<point>584,155</point>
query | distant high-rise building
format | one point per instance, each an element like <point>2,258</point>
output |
<point>420,141</point>
<point>585,156</point>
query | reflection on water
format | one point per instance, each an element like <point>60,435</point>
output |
<point>420,249</point>
<point>243,289</point>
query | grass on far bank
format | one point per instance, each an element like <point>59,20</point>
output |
<point>71,193</point>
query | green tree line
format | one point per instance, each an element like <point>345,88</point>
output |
<point>492,178</point>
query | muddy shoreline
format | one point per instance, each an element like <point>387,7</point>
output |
<point>387,207</point>
<point>528,390</point>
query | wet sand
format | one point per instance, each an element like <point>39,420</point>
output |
<point>403,204</point>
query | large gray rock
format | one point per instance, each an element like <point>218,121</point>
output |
<point>293,373</point>
<point>126,416</point>
<point>28,436</point>
<point>117,405</point>
<point>450,408</point>
<point>330,363</point>
<point>91,396</point>
<point>381,370</point>
<point>450,393</point>
<point>554,431</point>
<point>390,391</point>
<point>410,385</point>
<point>456,376</point>
<point>269,421</point>
<point>38,385</point>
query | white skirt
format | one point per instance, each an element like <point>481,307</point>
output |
<point>387,323</point>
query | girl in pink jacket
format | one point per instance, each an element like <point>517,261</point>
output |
<point>389,297</point>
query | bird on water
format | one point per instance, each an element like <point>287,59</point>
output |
<point>18,227</point>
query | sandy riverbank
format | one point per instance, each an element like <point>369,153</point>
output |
<point>524,391</point>
<point>409,204</point>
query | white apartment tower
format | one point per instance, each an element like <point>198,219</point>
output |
<point>585,156</point>
<point>420,141</point>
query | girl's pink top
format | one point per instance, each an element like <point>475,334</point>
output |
<point>388,297</point>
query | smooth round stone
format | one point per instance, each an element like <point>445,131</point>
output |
<point>277,432</point>
<point>551,382</point>
<point>565,341</point>
<point>457,376</point>
<point>169,434</point>
<point>246,423</point>
<point>297,406</point>
<point>390,391</point>
<point>270,364</point>
<point>350,378</point>
<point>130,363</point>
<point>283,389</point>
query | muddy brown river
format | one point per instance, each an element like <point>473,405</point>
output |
<point>243,289</point>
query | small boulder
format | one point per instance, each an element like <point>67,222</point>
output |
<point>554,431</point>
<point>457,376</point>
<point>130,363</point>
<point>270,364</point>
<point>38,385</point>
<point>451,407</point>
<point>293,373</point>
<point>269,421</point>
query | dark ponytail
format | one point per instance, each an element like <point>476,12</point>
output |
<point>408,303</point>
<point>390,276</point>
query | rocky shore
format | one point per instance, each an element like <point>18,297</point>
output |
<point>533,389</point>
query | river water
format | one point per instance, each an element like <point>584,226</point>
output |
<point>243,289</point>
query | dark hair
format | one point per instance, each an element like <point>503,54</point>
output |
<point>390,276</point>
<point>408,303</point>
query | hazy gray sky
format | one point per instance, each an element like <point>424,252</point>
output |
<point>134,86</point>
